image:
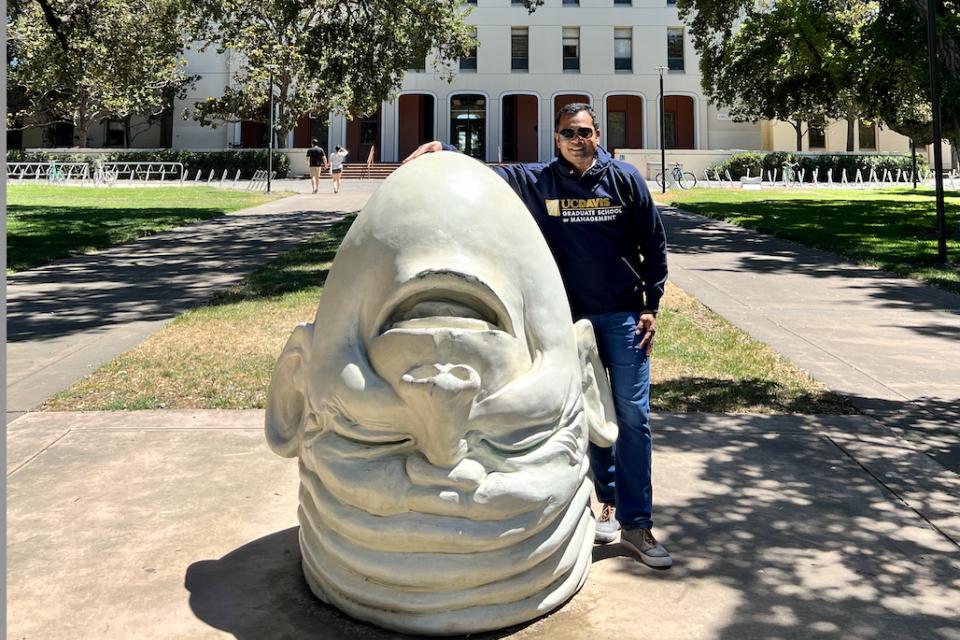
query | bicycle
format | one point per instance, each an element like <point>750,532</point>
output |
<point>56,175</point>
<point>683,179</point>
<point>789,172</point>
<point>104,176</point>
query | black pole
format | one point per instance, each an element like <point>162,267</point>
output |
<point>937,135</point>
<point>913,157</point>
<point>270,138</point>
<point>663,129</point>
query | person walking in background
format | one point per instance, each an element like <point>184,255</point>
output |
<point>317,158</point>
<point>336,166</point>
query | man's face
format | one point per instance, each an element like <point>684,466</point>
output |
<point>578,150</point>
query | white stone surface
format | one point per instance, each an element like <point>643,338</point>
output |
<point>440,404</point>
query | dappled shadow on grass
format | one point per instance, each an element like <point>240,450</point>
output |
<point>304,267</point>
<point>37,235</point>
<point>716,395</point>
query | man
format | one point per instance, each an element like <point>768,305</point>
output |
<point>607,238</point>
<point>317,158</point>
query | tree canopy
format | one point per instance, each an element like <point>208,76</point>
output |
<point>344,56</point>
<point>802,60</point>
<point>81,61</point>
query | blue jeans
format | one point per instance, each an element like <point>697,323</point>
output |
<point>622,473</point>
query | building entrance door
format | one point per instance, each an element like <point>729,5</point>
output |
<point>468,130</point>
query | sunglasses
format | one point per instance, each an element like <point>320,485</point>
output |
<point>569,134</point>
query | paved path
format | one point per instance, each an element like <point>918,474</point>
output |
<point>178,524</point>
<point>890,344</point>
<point>66,319</point>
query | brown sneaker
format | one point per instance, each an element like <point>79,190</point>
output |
<point>652,553</point>
<point>607,525</point>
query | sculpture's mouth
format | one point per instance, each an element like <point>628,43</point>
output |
<point>445,299</point>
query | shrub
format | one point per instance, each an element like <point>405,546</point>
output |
<point>739,163</point>
<point>246,160</point>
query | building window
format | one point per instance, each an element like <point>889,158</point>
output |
<point>817,135</point>
<point>469,61</point>
<point>675,48</point>
<point>622,2</point>
<point>519,48</point>
<point>115,134</point>
<point>419,63</point>
<point>571,3</point>
<point>571,48</point>
<point>868,134</point>
<point>473,2</point>
<point>671,2</point>
<point>623,48</point>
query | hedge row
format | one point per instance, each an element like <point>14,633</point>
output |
<point>740,163</point>
<point>246,160</point>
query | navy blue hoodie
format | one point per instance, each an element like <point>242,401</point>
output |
<point>603,229</point>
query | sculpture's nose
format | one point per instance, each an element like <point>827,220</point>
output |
<point>441,396</point>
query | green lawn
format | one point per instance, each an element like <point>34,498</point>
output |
<point>894,229</point>
<point>222,355</point>
<point>46,222</point>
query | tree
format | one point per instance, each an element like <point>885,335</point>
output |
<point>797,60</point>
<point>316,56</point>
<point>81,61</point>
<point>790,60</point>
<point>896,82</point>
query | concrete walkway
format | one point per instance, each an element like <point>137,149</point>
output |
<point>175,524</point>
<point>66,319</point>
<point>890,344</point>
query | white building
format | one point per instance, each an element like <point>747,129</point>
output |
<point>502,101</point>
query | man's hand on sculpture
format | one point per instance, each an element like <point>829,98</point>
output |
<point>647,327</point>
<point>427,147</point>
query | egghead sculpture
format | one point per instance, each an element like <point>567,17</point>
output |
<point>440,404</point>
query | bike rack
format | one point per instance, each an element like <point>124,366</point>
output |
<point>145,170</point>
<point>56,172</point>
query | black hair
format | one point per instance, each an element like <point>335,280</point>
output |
<point>573,109</point>
<point>314,142</point>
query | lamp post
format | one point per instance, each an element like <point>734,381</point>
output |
<point>663,152</point>
<point>913,160</point>
<point>270,137</point>
<point>937,154</point>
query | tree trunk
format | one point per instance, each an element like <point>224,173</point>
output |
<point>850,134</point>
<point>126,132</point>
<point>798,127</point>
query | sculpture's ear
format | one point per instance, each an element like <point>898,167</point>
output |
<point>597,397</point>
<point>286,398</point>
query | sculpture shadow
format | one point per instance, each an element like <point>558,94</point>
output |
<point>258,591</point>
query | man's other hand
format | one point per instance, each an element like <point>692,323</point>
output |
<point>428,147</point>
<point>647,327</point>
